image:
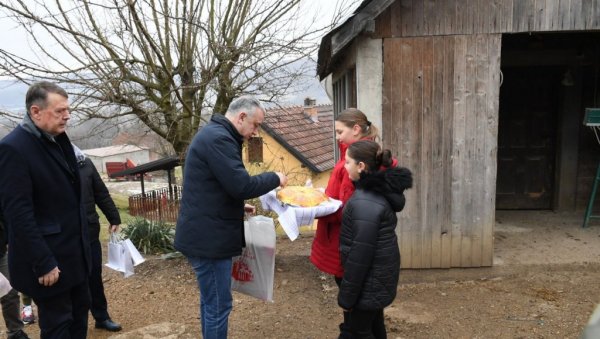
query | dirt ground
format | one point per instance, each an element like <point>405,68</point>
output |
<point>544,284</point>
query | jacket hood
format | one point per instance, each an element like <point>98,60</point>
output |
<point>390,183</point>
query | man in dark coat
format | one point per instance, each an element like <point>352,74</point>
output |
<point>94,192</point>
<point>210,227</point>
<point>40,196</point>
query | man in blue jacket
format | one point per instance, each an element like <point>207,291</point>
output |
<point>210,227</point>
<point>40,196</point>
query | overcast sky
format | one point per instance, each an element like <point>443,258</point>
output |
<point>15,40</point>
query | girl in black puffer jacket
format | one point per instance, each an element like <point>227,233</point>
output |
<point>368,244</point>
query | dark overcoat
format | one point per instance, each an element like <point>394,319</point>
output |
<point>215,185</point>
<point>40,196</point>
<point>94,192</point>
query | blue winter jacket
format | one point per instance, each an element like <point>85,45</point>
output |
<point>215,185</point>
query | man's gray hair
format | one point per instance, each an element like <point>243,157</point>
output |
<point>246,103</point>
<point>37,94</point>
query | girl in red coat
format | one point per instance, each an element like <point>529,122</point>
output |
<point>350,126</point>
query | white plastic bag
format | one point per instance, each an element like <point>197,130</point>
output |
<point>253,271</point>
<point>120,256</point>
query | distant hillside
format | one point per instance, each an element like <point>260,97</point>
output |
<point>12,95</point>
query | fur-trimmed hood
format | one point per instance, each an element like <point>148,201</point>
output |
<point>390,183</point>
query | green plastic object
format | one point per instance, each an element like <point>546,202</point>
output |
<point>592,117</point>
<point>588,210</point>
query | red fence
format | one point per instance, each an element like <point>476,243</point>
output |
<point>159,205</point>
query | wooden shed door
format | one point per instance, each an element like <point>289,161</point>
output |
<point>526,137</point>
<point>440,112</point>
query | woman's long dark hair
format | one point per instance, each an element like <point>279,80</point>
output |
<point>370,153</point>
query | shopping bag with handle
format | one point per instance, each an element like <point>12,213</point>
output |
<point>119,255</point>
<point>253,271</point>
<point>135,254</point>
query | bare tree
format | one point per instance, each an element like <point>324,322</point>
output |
<point>168,63</point>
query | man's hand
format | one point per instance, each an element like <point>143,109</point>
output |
<point>282,179</point>
<point>113,228</point>
<point>49,278</point>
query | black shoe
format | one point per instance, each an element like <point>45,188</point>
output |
<point>19,335</point>
<point>108,325</point>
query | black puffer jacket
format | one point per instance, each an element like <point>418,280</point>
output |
<point>368,243</point>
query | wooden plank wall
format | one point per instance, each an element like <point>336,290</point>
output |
<point>440,116</point>
<point>411,18</point>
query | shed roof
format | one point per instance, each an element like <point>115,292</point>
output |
<point>165,164</point>
<point>310,142</point>
<point>112,150</point>
<point>338,38</point>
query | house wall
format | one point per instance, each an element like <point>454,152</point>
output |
<point>576,163</point>
<point>440,117</point>
<point>277,158</point>
<point>441,78</point>
<point>365,54</point>
<point>406,18</point>
<point>369,78</point>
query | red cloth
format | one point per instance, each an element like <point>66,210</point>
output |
<point>325,253</point>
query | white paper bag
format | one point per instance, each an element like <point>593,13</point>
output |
<point>116,254</point>
<point>253,272</point>
<point>120,255</point>
<point>135,254</point>
<point>4,285</point>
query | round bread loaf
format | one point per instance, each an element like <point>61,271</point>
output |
<point>301,196</point>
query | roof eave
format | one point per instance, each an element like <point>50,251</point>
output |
<point>340,37</point>
<point>290,149</point>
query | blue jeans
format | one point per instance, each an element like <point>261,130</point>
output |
<point>214,280</point>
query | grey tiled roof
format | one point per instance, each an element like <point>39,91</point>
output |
<point>311,142</point>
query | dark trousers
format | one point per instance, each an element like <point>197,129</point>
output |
<point>64,316</point>
<point>345,331</point>
<point>99,307</point>
<point>367,324</point>
<point>11,306</point>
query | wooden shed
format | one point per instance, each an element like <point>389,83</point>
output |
<point>483,100</point>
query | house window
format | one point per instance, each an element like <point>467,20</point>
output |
<point>344,96</point>
<point>255,149</point>
<point>344,92</point>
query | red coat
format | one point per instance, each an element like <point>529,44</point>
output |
<point>325,253</point>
